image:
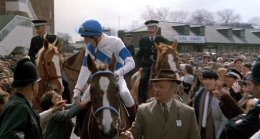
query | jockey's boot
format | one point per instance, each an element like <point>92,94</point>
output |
<point>132,113</point>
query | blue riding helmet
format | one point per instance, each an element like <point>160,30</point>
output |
<point>90,28</point>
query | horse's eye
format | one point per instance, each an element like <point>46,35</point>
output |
<point>48,63</point>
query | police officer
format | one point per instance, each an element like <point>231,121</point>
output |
<point>146,56</point>
<point>37,41</point>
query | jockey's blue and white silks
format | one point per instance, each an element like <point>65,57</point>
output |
<point>103,54</point>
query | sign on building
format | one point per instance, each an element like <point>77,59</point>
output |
<point>190,39</point>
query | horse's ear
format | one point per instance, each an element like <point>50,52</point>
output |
<point>112,64</point>
<point>174,44</point>
<point>157,47</point>
<point>91,65</point>
<point>45,44</point>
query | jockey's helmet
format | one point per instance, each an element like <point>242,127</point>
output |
<point>90,28</point>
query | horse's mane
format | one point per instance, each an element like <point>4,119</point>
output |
<point>56,47</point>
<point>73,58</point>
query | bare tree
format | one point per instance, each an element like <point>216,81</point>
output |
<point>227,16</point>
<point>203,17</point>
<point>135,24</point>
<point>65,36</point>
<point>156,14</point>
<point>178,16</point>
<point>255,21</point>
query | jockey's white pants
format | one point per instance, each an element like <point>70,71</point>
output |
<point>123,91</point>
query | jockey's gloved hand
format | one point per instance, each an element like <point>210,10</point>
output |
<point>76,96</point>
<point>117,74</point>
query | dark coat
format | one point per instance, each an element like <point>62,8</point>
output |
<point>37,43</point>
<point>229,106</point>
<point>60,125</point>
<point>131,49</point>
<point>147,53</point>
<point>19,120</point>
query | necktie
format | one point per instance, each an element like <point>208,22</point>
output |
<point>165,111</point>
<point>152,39</point>
<point>206,108</point>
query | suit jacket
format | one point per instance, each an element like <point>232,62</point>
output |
<point>37,43</point>
<point>150,123</point>
<point>18,120</point>
<point>147,53</point>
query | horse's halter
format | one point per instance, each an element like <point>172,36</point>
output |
<point>111,108</point>
<point>47,62</point>
<point>105,107</point>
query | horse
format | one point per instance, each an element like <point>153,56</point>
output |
<point>48,63</point>
<point>167,58</point>
<point>106,117</point>
<point>71,68</point>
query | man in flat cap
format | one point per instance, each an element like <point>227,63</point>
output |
<point>164,117</point>
<point>233,76</point>
<point>37,41</point>
<point>146,56</point>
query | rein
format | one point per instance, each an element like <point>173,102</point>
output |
<point>107,107</point>
<point>102,72</point>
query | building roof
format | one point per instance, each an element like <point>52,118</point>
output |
<point>212,34</point>
<point>5,19</point>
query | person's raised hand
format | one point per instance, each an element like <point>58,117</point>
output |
<point>59,105</point>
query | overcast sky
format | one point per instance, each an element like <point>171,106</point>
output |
<point>120,14</point>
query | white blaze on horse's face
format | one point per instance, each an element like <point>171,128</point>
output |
<point>56,61</point>
<point>107,116</point>
<point>171,63</point>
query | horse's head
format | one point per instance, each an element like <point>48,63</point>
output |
<point>104,94</point>
<point>49,64</point>
<point>167,57</point>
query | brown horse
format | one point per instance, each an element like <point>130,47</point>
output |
<point>71,68</point>
<point>48,62</point>
<point>107,117</point>
<point>167,58</point>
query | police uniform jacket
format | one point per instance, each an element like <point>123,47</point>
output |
<point>147,53</point>
<point>18,120</point>
<point>37,43</point>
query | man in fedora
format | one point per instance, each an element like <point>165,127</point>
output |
<point>164,117</point>
<point>147,55</point>
<point>18,120</point>
<point>37,41</point>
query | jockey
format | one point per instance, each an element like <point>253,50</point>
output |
<point>101,47</point>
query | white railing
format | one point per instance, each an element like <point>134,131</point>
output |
<point>17,20</point>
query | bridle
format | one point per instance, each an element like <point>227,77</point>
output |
<point>48,78</point>
<point>108,107</point>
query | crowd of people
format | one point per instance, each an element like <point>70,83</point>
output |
<point>220,96</point>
